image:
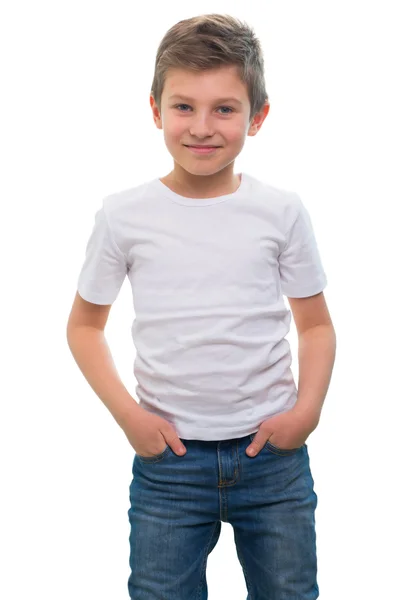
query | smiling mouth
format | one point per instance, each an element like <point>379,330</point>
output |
<point>195,146</point>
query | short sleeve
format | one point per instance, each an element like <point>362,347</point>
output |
<point>105,267</point>
<point>300,267</point>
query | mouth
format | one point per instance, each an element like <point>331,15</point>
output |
<point>202,149</point>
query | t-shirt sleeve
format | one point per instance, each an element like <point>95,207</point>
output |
<point>105,266</point>
<point>300,267</point>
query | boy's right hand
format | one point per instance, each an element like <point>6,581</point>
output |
<point>149,434</point>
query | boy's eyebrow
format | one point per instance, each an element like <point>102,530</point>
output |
<point>186,98</point>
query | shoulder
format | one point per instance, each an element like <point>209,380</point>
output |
<point>262,186</point>
<point>281,200</point>
<point>117,204</point>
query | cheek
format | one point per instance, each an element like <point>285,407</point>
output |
<point>235,131</point>
<point>174,131</point>
<point>236,138</point>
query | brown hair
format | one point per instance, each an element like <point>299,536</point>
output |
<point>208,42</point>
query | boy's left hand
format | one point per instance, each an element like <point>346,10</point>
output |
<point>286,431</point>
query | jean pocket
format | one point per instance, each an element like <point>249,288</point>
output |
<point>155,457</point>
<point>275,449</point>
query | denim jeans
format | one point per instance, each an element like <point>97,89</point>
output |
<point>177,504</point>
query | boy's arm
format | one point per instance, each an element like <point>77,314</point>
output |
<point>316,353</point>
<point>317,346</point>
<point>87,342</point>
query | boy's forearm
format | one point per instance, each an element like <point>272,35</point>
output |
<point>92,354</point>
<point>316,353</point>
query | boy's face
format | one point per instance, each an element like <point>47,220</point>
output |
<point>205,108</point>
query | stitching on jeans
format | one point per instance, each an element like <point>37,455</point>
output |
<point>205,562</point>
<point>275,450</point>
<point>247,578</point>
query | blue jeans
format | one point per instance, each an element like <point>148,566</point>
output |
<point>177,504</point>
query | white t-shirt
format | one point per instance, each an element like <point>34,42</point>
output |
<point>207,278</point>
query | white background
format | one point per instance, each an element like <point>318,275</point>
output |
<point>76,125</point>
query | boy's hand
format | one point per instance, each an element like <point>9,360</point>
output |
<point>286,431</point>
<point>150,434</point>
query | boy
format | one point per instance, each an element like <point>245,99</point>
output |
<point>220,429</point>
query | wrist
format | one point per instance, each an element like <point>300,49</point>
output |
<point>308,416</point>
<point>130,415</point>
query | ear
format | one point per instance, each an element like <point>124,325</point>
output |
<point>258,119</point>
<point>156,112</point>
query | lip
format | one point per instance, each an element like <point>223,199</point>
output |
<point>202,149</point>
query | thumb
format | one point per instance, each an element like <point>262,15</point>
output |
<point>256,445</point>
<point>173,441</point>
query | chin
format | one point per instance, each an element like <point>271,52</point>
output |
<point>202,170</point>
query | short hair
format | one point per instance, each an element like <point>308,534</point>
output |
<point>210,41</point>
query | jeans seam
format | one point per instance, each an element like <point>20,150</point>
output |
<point>203,570</point>
<point>247,578</point>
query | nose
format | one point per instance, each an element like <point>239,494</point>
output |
<point>200,127</point>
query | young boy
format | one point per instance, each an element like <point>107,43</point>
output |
<point>209,255</point>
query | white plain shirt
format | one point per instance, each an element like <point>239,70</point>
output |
<point>207,278</point>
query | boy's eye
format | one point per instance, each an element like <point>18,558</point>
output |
<point>225,113</point>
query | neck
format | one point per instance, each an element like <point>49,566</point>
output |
<point>201,186</point>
